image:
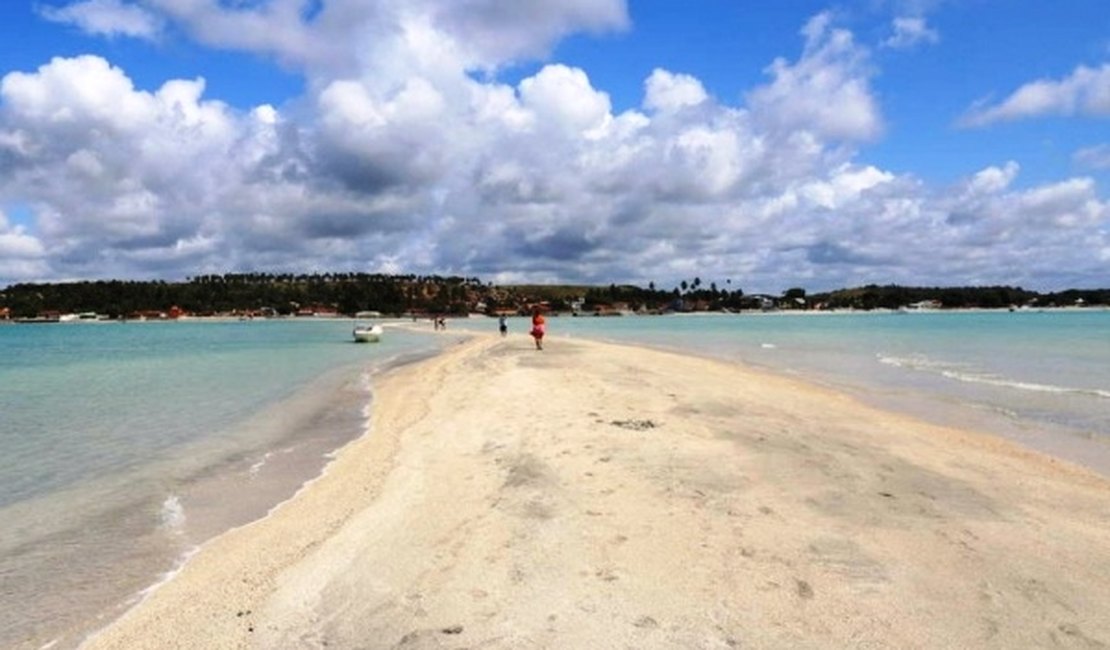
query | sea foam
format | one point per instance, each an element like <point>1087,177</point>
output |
<point>965,373</point>
<point>172,515</point>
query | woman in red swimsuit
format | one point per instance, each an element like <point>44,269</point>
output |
<point>538,328</point>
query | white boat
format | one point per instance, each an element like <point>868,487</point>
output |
<point>367,333</point>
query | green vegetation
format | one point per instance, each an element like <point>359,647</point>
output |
<point>893,297</point>
<point>281,294</point>
<point>349,293</point>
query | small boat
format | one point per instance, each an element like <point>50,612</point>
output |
<point>367,333</point>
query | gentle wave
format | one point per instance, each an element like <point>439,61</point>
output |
<point>961,372</point>
<point>257,466</point>
<point>172,515</point>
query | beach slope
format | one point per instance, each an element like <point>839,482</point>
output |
<point>600,496</point>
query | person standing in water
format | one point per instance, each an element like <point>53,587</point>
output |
<point>503,325</point>
<point>538,325</point>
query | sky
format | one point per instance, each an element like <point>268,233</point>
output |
<point>767,144</point>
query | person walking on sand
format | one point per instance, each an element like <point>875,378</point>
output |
<point>503,325</point>
<point>538,328</point>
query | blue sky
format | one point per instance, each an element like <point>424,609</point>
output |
<point>785,144</point>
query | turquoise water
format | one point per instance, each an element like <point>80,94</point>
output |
<point>125,445</point>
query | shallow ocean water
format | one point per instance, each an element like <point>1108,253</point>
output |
<point>125,445</point>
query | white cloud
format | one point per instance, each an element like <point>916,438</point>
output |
<point>496,31</point>
<point>826,92</point>
<point>844,187</point>
<point>112,166</point>
<point>348,35</point>
<point>106,18</point>
<point>669,92</point>
<point>1072,203</point>
<point>22,256</point>
<point>15,242</point>
<point>1085,92</point>
<point>563,97</point>
<point>910,31</point>
<point>1096,157</point>
<point>716,153</point>
<point>68,91</point>
<point>1052,230</point>
<point>992,180</point>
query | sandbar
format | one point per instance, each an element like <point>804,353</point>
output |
<point>595,495</point>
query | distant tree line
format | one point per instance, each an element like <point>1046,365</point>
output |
<point>686,296</point>
<point>283,294</point>
<point>349,293</point>
<point>996,297</point>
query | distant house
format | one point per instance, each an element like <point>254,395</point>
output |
<point>318,311</point>
<point>924,304</point>
<point>760,301</point>
<point>602,309</point>
<point>5,313</point>
<point>147,314</point>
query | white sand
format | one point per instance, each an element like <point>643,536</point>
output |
<point>597,496</point>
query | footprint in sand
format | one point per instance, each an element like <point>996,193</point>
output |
<point>607,575</point>
<point>805,592</point>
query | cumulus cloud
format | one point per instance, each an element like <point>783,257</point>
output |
<point>404,155</point>
<point>992,180</point>
<point>1086,91</point>
<point>16,243</point>
<point>22,256</point>
<point>667,92</point>
<point>106,18</point>
<point>563,97</point>
<point>826,91</point>
<point>1034,233</point>
<point>498,31</point>
<point>112,167</point>
<point>910,31</point>
<point>343,36</point>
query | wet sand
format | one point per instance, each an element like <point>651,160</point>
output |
<point>593,495</point>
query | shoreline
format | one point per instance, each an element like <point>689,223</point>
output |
<point>936,404</point>
<point>176,505</point>
<point>530,477</point>
<point>79,551</point>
